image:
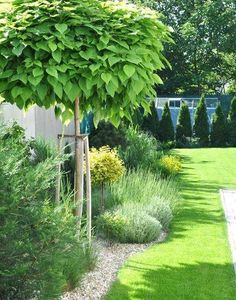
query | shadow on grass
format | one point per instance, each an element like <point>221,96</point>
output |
<point>181,282</point>
<point>196,207</point>
<point>195,281</point>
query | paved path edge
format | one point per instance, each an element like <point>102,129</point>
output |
<point>231,223</point>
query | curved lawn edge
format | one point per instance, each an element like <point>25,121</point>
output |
<point>195,261</point>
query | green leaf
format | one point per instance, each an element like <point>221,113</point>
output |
<point>129,70</point>
<point>157,79</point>
<point>42,91</point>
<point>138,85</point>
<point>94,67</point>
<point>57,111</point>
<point>52,71</point>
<point>105,39</point>
<point>35,80</point>
<point>26,93</point>
<point>113,60</point>
<point>106,77</point>
<point>63,78</point>
<point>57,55</point>
<point>3,85</point>
<point>16,91</point>
<point>23,78</point>
<point>134,59</point>
<point>3,62</point>
<point>43,45</point>
<point>111,88</point>
<point>18,49</point>
<point>123,77</point>
<point>6,74</point>
<point>67,116</point>
<point>61,28</point>
<point>58,90</point>
<point>37,71</point>
<point>72,90</point>
<point>52,45</point>
<point>62,68</point>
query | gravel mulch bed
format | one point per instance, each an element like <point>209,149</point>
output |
<point>111,257</point>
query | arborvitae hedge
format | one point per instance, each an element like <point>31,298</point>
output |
<point>150,122</point>
<point>184,126</point>
<point>166,128</point>
<point>218,128</point>
<point>201,124</point>
<point>232,123</point>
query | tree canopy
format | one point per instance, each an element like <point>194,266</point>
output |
<point>103,52</point>
<point>203,57</point>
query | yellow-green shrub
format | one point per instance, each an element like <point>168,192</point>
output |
<point>170,165</point>
<point>106,167</point>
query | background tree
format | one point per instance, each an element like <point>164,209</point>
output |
<point>166,128</point>
<point>81,56</point>
<point>150,123</point>
<point>218,128</point>
<point>203,56</point>
<point>232,122</point>
<point>184,126</point>
<point>201,124</point>
<point>106,134</point>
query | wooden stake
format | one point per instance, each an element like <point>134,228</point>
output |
<point>58,186</point>
<point>79,159</point>
<point>88,191</point>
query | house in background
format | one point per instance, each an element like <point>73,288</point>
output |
<point>37,122</point>
<point>40,122</point>
<point>192,102</point>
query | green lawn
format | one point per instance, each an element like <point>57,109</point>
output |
<point>195,261</point>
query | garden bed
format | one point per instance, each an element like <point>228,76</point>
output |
<point>111,257</point>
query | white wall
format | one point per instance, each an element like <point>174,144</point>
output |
<point>37,121</point>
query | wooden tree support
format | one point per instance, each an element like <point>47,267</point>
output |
<point>82,146</point>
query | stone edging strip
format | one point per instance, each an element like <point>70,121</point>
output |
<point>228,198</point>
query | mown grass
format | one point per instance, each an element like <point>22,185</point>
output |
<point>195,261</point>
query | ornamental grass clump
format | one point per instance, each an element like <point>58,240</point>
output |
<point>106,167</point>
<point>129,225</point>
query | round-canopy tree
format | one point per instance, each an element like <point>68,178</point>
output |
<point>104,54</point>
